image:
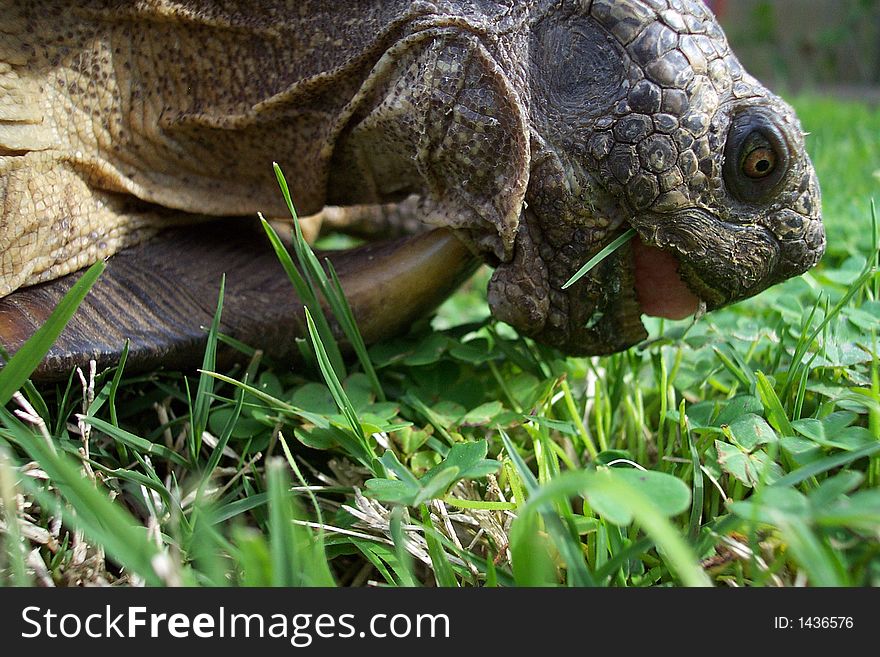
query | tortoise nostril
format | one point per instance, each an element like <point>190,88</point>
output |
<point>789,222</point>
<point>787,225</point>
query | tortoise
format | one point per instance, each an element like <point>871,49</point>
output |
<point>530,133</point>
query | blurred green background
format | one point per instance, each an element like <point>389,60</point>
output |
<point>804,45</point>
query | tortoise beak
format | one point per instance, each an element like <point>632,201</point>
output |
<point>160,295</point>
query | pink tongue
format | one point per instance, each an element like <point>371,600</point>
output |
<point>660,291</point>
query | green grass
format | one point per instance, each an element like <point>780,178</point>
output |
<point>741,450</point>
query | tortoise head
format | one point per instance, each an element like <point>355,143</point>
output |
<point>645,119</point>
<point>747,213</point>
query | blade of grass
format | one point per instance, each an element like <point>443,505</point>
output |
<point>620,558</point>
<point>525,475</point>
<point>36,400</point>
<point>134,442</point>
<point>697,491</point>
<point>404,562</point>
<point>675,550</point>
<point>25,361</point>
<point>370,553</point>
<point>307,291</point>
<point>332,291</point>
<point>204,393</point>
<point>302,481</point>
<point>102,521</point>
<point>875,248</point>
<point>208,548</point>
<point>443,572</point>
<point>735,366</point>
<point>344,315</point>
<point>412,400</point>
<point>599,257</point>
<point>564,539</point>
<point>775,412</point>
<point>236,508</point>
<point>280,406</point>
<point>797,360</point>
<point>114,386</point>
<point>336,390</point>
<point>223,438</point>
<point>60,426</point>
<point>479,504</point>
<point>282,543</point>
<point>298,556</point>
<point>311,269</point>
<point>826,464</point>
<point>576,418</point>
<point>822,565</point>
<point>13,542</point>
<point>126,474</point>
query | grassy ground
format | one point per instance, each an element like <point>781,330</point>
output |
<point>743,450</point>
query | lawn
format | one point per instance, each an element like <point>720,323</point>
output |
<point>740,450</point>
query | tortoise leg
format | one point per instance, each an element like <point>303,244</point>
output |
<point>371,222</point>
<point>161,294</point>
<point>383,221</point>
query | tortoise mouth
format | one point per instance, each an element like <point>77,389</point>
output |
<point>720,261</point>
<point>660,289</point>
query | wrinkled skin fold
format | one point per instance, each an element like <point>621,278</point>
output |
<point>536,131</point>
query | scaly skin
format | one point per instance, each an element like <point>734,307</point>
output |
<point>641,138</point>
<point>537,130</point>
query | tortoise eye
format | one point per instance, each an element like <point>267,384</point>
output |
<point>759,162</point>
<point>756,156</point>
